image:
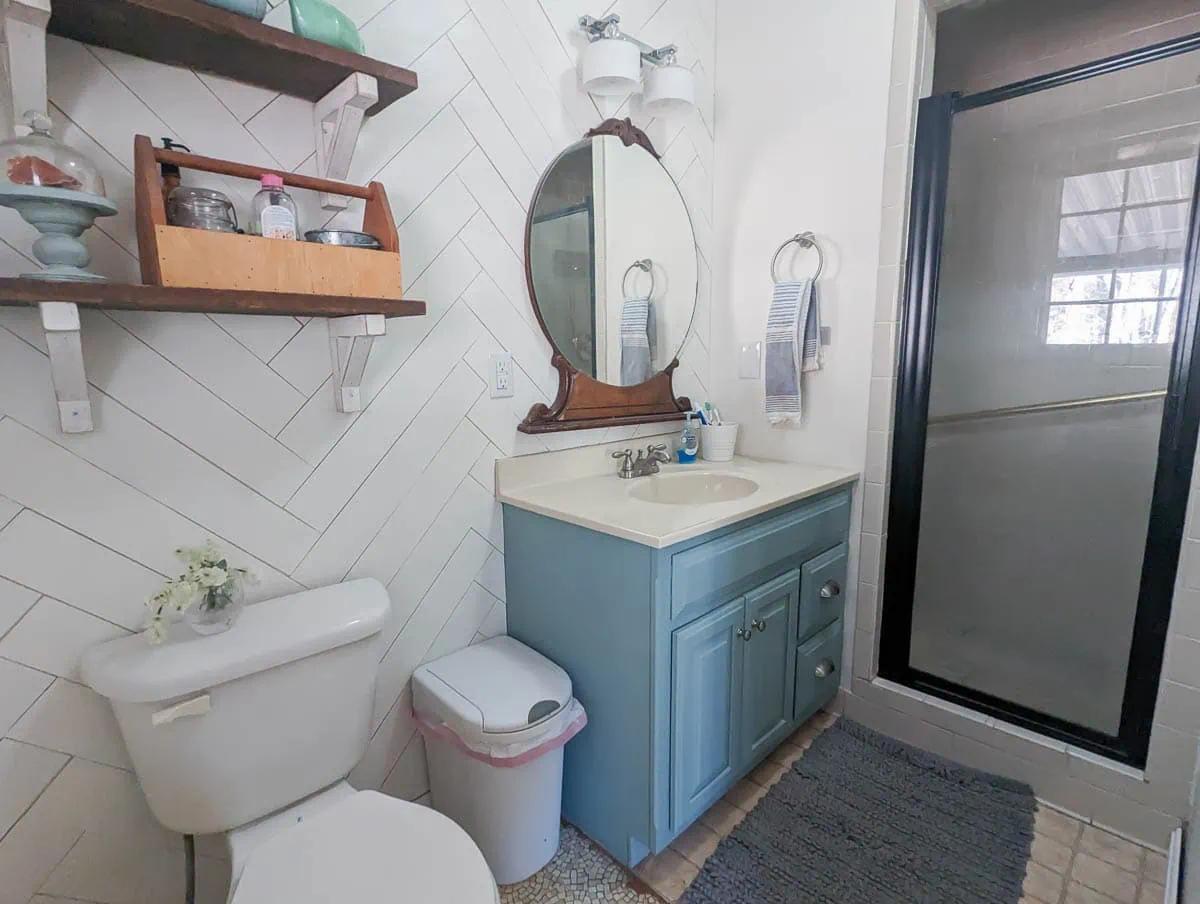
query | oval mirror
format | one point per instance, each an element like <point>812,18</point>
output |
<point>611,259</point>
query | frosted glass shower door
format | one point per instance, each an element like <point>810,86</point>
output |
<point>1062,263</point>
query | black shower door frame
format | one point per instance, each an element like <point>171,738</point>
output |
<point>1176,450</point>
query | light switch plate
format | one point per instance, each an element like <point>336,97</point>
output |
<point>501,376</point>
<point>750,361</point>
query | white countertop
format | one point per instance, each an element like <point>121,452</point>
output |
<point>602,501</point>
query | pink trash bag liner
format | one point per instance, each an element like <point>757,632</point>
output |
<point>443,732</point>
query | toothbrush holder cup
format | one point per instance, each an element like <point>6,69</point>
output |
<point>717,441</point>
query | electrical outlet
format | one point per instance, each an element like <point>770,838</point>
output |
<point>502,376</point>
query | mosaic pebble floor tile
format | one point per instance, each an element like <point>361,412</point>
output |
<point>580,873</point>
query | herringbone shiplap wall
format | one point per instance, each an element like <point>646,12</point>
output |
<point>224,426</point>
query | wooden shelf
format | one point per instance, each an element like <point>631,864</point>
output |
<point>29,292</point>
<point>193,34</point>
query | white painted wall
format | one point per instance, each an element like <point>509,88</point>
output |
<point>224,426</point>
<point>803,106</point>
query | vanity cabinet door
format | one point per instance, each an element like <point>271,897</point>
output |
<point>706,686</point>
<point>769,670</point>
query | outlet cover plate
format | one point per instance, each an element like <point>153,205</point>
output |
<point>501,376</point>
<point>749,361</point>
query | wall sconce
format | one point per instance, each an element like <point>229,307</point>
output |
<point>612,66</point>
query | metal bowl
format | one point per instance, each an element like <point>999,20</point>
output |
<point>344,237</point>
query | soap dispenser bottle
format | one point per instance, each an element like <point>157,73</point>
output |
<point>689,443</point>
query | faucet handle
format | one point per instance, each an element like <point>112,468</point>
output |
<point>661,447</point>
<point>626,469</point>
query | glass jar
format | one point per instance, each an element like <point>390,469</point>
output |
<point>273,212</point>
<point>217,608</point>
<point>40,159</point>
<point>201,208</point>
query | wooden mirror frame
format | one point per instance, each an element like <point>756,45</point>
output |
<point>582,401</point>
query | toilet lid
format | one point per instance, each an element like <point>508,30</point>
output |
<point>365,849</point>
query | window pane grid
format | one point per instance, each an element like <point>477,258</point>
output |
<point>1114,218</point>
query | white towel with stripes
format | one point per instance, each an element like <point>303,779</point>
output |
<point>793,347</point>
<point>637,341</point>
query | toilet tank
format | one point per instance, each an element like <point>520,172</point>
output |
<point>228,728</point>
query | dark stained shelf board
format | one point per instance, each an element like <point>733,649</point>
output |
<point>193,34</point>
<point>117,296</point>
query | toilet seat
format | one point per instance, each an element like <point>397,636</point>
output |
<point>365,849</point>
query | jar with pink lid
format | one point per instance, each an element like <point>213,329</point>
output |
<point>273,214</point>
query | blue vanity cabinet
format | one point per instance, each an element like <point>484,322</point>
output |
<point>693,661</point>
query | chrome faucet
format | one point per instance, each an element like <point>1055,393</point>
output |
<point>646,463</point>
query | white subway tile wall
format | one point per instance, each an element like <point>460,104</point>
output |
<point>1145,805</point>
<point>224,427</point>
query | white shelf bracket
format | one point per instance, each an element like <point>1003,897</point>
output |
<point>60,320</point>
<point>337,117</point>
<point>25,58</point>
<point>350,341</point>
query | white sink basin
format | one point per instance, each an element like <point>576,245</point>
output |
<point>692,489</point>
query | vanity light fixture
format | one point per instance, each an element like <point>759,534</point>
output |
<point>670,88</point>
<point>612,67</point>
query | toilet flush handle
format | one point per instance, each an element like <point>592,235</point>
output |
<point>195,706</point>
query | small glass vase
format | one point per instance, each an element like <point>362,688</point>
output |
<point>216,609</point>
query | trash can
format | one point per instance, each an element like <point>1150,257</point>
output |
<point>495,717</point>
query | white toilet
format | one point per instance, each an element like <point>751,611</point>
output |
<point>252,733</point>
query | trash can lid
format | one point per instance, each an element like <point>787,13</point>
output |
<point>494,687</point>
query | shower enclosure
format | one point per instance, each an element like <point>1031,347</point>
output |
<point>1048,397</point>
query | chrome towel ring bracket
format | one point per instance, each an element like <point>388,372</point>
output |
<point>804,240</point>
<point>646,266</point>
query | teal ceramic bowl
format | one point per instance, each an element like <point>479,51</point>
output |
<point>255,9</point>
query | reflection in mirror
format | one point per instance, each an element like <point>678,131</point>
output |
<point>612,261</point>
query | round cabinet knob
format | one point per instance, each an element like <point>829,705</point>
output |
<point>744,633</point>
<point>830,590</point>
<point>759,624</point>
<point>825,668</point>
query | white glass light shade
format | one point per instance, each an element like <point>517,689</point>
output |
<point>611,67</point>
<point>669,89</point>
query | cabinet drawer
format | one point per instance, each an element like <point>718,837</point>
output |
<point>822,590</point>
<point>701,575</point>
<point>818,670</point>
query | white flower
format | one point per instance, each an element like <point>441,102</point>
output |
<point>210,576</point>
<point>206,572</point>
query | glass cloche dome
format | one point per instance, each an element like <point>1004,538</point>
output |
<point>39,159</point>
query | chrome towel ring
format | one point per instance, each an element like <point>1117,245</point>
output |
<point>804,240</point>
<point>646,266</point>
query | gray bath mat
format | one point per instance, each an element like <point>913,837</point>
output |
<point>864,819</point>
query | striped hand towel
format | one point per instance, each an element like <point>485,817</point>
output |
<point>793,346</point>
<point>637,341</point>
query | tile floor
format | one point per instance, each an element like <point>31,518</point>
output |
<point>580,873</point>
<point>1072,862</point>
